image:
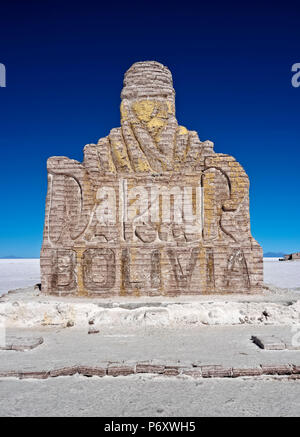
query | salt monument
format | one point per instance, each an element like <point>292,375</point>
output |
<point>151,210</point>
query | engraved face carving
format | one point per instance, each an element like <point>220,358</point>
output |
<point>153,114</point>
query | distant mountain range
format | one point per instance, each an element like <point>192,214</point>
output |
<point>11,257</point>
<point>274,254</point>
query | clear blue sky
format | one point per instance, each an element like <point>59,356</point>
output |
<point>231,66</point>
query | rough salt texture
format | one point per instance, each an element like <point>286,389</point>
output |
<point>89,251</point>
<point>181,314</point>
<point>147,396</point>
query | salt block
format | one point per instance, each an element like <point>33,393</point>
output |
<point>21,343</point>
<point>268,342</point>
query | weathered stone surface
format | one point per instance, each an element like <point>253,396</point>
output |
<point>296,369</point>
<point>120,369</point>
<point>216,372</point>
<point>151,210</point>
<point>64,371</point>
<point>167,369</point>
<point>294,377</point>
<point>171,371</point>
<point>93,331</point>
<point>277,370</point>
<point>34,375</point>
<point>9,374</point>
<point>254,371</point>
<point>292,347</point>
<point>176,368</point>
<point>193,372</point>
<point>92,371</point>
<point>147,367</point>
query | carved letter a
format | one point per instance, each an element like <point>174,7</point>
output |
<point>182,278</point>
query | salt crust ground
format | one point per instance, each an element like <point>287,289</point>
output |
<point>228,346</point>
<point>144,396</point>
<point>29,308</point>
<point>149,395</point>
<point>182,329</point>
<point>18,273</point>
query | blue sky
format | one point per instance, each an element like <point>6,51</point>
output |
<point>231,67</point>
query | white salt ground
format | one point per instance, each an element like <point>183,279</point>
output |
<point>283,274</point>
<point>18,273</point>
<point>142,396</point>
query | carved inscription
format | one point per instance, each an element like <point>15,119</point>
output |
<point>151,210</point>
